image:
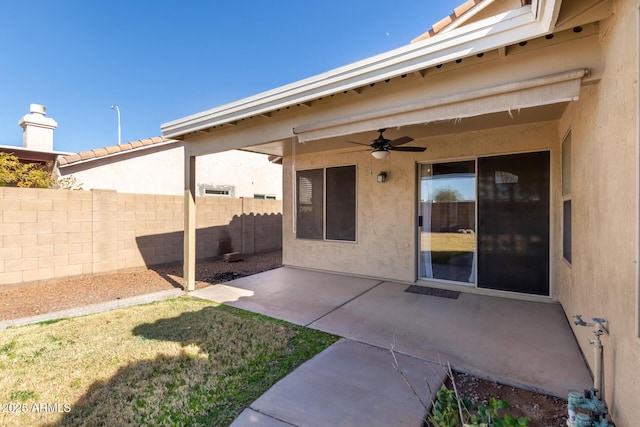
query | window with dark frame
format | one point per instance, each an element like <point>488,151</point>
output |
<point>566,198</point>
<point>216,192</point>
<point>264,197</point>
<point>326,203</point>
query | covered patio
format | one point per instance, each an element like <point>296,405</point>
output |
<point>521,97</point>
<point>520,343</point>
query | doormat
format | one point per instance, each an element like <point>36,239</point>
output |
<point>434,292</point>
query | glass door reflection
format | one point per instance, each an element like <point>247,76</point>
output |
<point>448,221</point>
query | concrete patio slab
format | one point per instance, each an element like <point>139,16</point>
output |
<point>516,342</point>
<point>348,384</point>
<point>297,296</point>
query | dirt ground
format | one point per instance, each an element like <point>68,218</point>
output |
<point>544,411</point>
<point>63,294</point>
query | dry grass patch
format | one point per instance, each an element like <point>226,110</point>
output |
<point>177,362</point>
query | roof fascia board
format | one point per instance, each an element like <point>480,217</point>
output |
<point>467,16</point>
<point>546,12</point>
<point>34,150</point>
<point>487,34</point>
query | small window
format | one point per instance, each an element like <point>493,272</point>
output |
<point>264,197</point>
<point>566,198</point>
<point>326,203</point>
<point>217,192</point>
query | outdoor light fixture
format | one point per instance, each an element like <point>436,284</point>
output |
<point>380,153</point>
<point>382,177</point>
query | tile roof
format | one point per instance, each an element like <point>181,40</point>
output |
<point>445,22</point>
<point>113,149</point>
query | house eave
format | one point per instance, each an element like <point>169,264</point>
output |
<point>134,151</point>
<point>501,30</point>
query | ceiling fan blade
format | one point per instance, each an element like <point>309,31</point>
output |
<point>411,149</point>
<point>400,141</point>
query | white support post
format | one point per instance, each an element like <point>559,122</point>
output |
<point>189,268</point>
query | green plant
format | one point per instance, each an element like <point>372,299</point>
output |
<point>451,410</point>
<point>15,173</point>
<point>22,395</point>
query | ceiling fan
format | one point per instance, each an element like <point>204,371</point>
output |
<point>381,145</point>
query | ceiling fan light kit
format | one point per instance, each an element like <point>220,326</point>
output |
<point>380,154</point>
<point>381,145</point>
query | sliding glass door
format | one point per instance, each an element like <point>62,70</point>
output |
<point>508,250</point>
<point>447,221</point>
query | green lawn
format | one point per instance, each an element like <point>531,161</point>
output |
<point>177,362</point>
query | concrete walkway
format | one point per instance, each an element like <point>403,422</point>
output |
<point>349,384</point>
<point>515,342</point>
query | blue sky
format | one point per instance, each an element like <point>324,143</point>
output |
<point>162,60</point>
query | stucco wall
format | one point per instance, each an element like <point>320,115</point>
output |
<point>601,280</point>
<point>57,234</point>
<point>159,170</point>
<point>386,245</point>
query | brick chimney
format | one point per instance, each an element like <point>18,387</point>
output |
<point>37,129</point>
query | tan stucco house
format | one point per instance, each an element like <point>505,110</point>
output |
<point>527,186</point>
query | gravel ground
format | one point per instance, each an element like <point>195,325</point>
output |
<point>64,294</point>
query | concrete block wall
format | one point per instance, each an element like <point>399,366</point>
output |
<point>56,234</point>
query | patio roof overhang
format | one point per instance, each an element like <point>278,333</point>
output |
<point>541,93</point>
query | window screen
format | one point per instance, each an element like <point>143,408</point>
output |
<point>341,203</point>
<point>566,230</point>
